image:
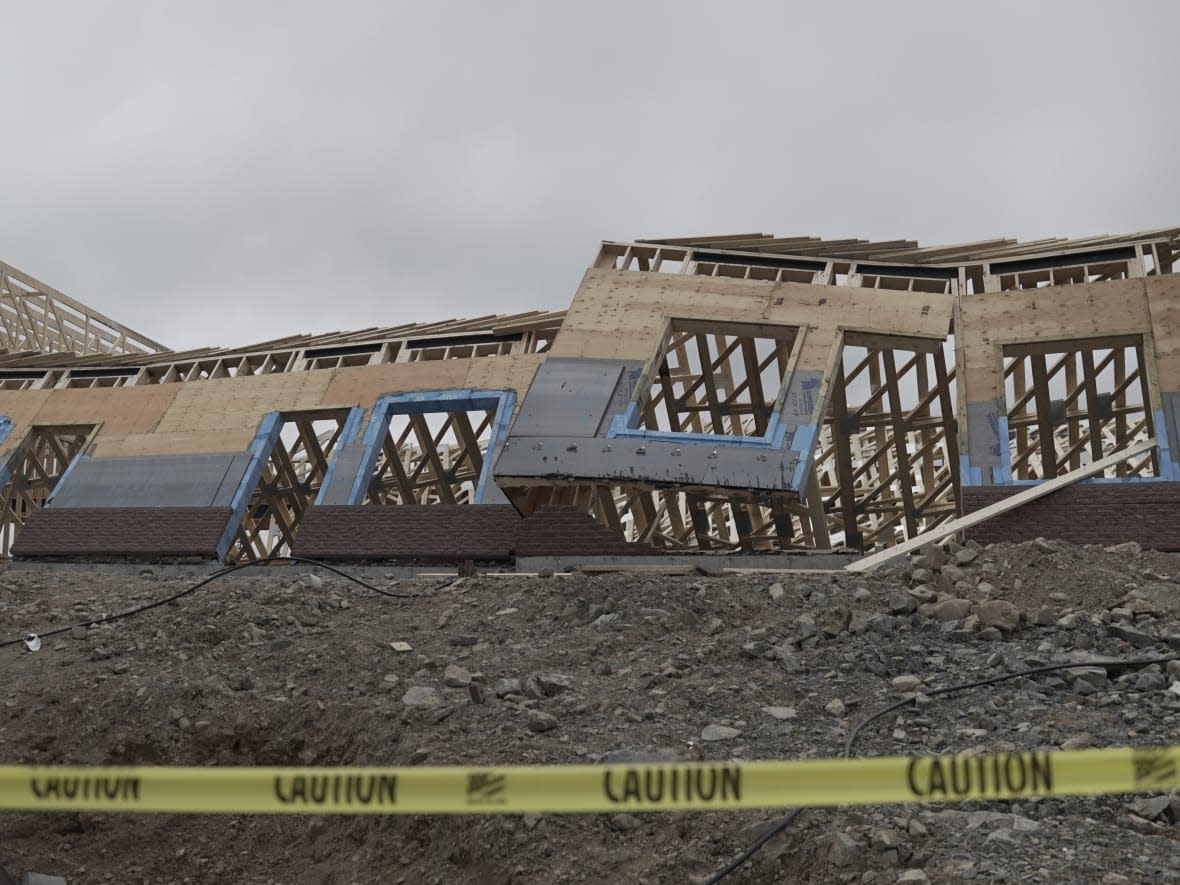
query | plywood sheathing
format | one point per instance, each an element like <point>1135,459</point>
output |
<point>986,322</point>
<point>622,315</point>
<point>1163,299</point>
<point>19,406</point>
<point>362,385</point>
<point>118,410</point>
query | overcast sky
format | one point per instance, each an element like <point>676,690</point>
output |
<point>220,173</point>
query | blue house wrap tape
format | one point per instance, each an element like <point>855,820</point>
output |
<point>425,403</point>
<point>352,426</point>
<point>5,429</point>
<point>259,449</point>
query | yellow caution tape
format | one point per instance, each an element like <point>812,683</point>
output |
<point>592,788</point>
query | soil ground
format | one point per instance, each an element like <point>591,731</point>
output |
<point>291,669</point>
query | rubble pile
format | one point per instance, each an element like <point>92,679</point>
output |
<point>303,669</point>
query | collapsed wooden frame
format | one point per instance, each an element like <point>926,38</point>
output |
<point>33,470</point>
<point>1102,405</point>
<point>432,457</point>
<point>291,479</point>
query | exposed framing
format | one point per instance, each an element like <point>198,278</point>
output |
<point>432,447</point>
<point>721,380</point>
<point>33,471</point>
<point>295,454</point>
<point>887,460</point>
<point>1071,403</point>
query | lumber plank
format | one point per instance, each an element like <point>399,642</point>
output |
<point>982,515</point>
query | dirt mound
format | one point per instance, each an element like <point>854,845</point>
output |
<point>289,669</point>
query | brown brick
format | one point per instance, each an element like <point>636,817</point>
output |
<point>146,533</point>
<point>1094,513</point>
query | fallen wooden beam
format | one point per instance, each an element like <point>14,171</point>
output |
<point>982,515</point>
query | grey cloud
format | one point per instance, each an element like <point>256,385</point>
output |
<point>217,173</point>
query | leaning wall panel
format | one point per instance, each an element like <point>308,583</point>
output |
<point>988,321</point>
<point>19,406</point>
<point>361,386</point>
<point>226,439</point>
<point>118,409</point>
<point>233,402</point>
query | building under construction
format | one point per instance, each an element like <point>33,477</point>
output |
<point>740,393</point>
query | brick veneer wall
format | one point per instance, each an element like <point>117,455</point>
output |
<point>411,533</point>
<point>145,533</point>
<point>1097,513</point>
<point>454,534</point>
<point>568,531</point>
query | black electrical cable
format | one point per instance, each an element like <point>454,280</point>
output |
<point>792,815</point>
<point>220,573</point>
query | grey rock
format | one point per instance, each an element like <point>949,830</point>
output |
<point>908,682</point>
<point>554,683</point>
<point>952,609</point>
<point>776,591</point>
<point>242,682</point>
<point>841,850</point>
<point>421,696</point>
<point>755,648</point>
<point>719,733</point>
<point>861,594</point>
<point>965,556</point>
<point>1150,681</point>
<point>1071,621</point>
<point>1128,548</point>
<point>508,686</point>
<point>999,613</point>
<point>1001,836</point>
<point>886,838</point>
<point>1078,741</point>
<point>1095,677</point>
<point>913,876</point>
<point>1137,638</point>
<point>1044,617</point>
<point>456,677</point>
<point>953,573</point>
<point>901,603</point>
<point>804,628</point>
<point>1150,807</point>
<point>932,557</point>
<point>315,582</point>
<point>923,594</point>
<point>464,640</point>
<point>540,721</point>
<point>858,623</point>
<point>41,879</point>
<point>780,713</point>
<point>836,707</point>
<point>624,823</point>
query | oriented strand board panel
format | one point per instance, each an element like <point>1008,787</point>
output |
<point>241,402</point>
<point>619,314</point>
<point>1163,298</point>
<point>118,409</point>
<point>362,385</point>
<point>19,406</point>
<point>225,439</point>
<point>504,373</point>
<point>1051,313</point>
